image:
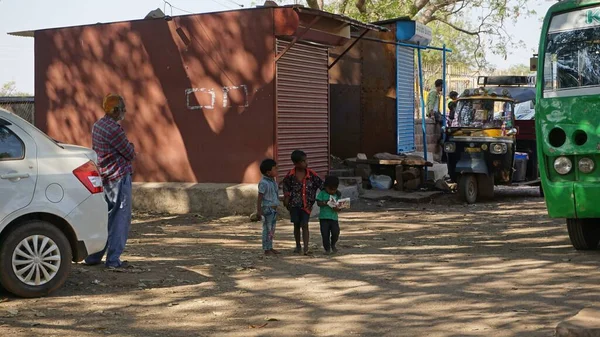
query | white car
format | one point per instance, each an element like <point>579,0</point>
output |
<point>52,208</point>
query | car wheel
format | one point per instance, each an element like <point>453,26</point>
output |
<point>35,259</point>
<point>467,188</point>
<point>584,234</point>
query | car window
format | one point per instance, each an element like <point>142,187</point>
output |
<point>11,147</point>
<point>525,111</point>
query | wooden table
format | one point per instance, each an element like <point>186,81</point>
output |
<point>386,165</point>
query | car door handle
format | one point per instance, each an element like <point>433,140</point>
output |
<point>14,176</point>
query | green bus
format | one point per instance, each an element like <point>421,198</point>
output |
<point>568,117</point>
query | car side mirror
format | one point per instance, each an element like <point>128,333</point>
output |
<point>513,131</point>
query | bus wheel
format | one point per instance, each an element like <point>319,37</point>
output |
<point>583,233</point>
<point>467,188</point>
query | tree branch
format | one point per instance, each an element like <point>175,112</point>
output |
<point>462,30</point>
<point>361,5</point>
<point>315,4</point>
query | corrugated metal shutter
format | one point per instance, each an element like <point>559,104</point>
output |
<point>303,106</point>
<point>405,98</point>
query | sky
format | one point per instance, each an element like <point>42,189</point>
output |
<point>16,53</point>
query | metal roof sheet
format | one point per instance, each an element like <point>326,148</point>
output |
<point>298,8</point>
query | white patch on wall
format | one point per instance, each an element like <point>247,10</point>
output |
<point>226,101</point>
<point>226,90</point>
<point>205,91</point>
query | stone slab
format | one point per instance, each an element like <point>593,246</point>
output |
<point>346,172</point>
<point>409,197</point>
<point>352,181</point>
<point>437,172</point>
<point>351,192</point>
<point>585,324</point>
<point>205,199</point>
<point>209,200</point>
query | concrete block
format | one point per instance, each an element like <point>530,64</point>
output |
<point>363,171</point>
<point>349,192</point>
<point>352,181</point>
<point>346,172</point>
<point>410,173</point>
<point>437,172</point>
<point>585,324</point>
<point>205,199</point>
<point>209,200</point>
<point>412,184</point>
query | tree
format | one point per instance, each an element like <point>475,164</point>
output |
<point>517,69</point>
<point>10,89</point>
<point>488,32</point>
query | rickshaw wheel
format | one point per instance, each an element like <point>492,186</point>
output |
<point>467,188</point>
<point>584,234</point>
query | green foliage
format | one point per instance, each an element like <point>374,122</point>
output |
<point>10,89</point>
<point>470,41</point>
<point>518,69</point>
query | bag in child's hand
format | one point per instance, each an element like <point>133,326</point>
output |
<point>332,203</point>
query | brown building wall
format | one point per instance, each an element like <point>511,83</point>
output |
<point>345,86</point>
<point>378,98</point>
<point>363,98</point>
<point>200,107</point>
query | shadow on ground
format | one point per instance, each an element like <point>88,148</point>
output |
<point>443,269</point>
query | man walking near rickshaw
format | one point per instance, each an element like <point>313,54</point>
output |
<point>433,111</point>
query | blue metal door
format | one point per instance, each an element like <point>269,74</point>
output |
<point>405,98</point>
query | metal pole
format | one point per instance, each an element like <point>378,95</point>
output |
<point>423,125</point>
<point>444,85</point>
<point>402,44</point>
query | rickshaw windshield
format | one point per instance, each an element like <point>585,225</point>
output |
<point>483,113</point>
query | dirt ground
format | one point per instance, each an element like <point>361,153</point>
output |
<point>500,268</point>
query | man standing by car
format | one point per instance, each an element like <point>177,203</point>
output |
<point>115,154</point>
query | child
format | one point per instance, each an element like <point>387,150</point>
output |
<point>452,107</point>
<point>300,188</point>
<point>266,206</point>
<point>330,227</point>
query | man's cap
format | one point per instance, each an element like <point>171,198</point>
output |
<point>110,102</point>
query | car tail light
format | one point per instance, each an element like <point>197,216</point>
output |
<point>90,177</point>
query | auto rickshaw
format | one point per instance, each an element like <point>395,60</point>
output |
<point>481,141</point>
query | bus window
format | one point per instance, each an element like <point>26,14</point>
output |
<point>572,57</point>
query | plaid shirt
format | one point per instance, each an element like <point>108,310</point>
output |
<point>114,150</point>
<point>303,193</point>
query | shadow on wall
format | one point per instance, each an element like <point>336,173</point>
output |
<point>200,101</point>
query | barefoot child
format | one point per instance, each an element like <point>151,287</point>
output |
<point>328,218</point>
<point>266,206</point>
<point>300,188</point>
